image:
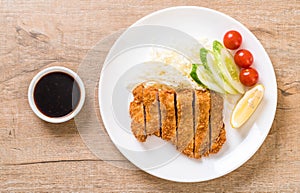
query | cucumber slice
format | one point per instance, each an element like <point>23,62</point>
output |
<point>194,75</point>
<point>204,78</point>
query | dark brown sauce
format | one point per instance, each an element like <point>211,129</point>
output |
<point>56,94</point>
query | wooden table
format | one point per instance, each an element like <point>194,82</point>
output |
<point>42,157</point>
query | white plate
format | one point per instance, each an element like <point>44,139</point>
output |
<point>156,157</point>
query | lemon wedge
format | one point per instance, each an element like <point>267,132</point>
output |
<point>246,106</point>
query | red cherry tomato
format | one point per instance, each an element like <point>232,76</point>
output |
<point>243,58</point>
<point>232,40</point>
<point>248,76</point>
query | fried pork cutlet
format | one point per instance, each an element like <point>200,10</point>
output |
<point>168,114</point>
<point>185,122</point>
<point>136,111</point>
<point>151,104</point>
<point>216,121</point>
<point>202,109</point>
<point>190,119</point>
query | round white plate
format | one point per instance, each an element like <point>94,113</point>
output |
<point>127,62</point>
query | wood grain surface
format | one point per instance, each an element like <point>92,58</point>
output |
<point>40,157</point>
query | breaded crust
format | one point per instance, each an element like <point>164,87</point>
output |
<point>202,109</point>
<point>168,116</point>
<point>150,100</point>
<point>185,125</point>
<point>136,111</point>
<point>216,117</point>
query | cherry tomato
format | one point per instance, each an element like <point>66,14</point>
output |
<point>232,40</point>
<point>243,58</point>
<point>248,76</point>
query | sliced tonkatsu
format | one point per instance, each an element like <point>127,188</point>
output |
<point>185,122</point>
<point>192,120</point>
<point>168,114</point>
<point>216,118</point>
<point>202,110</point>
<point>137,114</point>
<point>152,111</point>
